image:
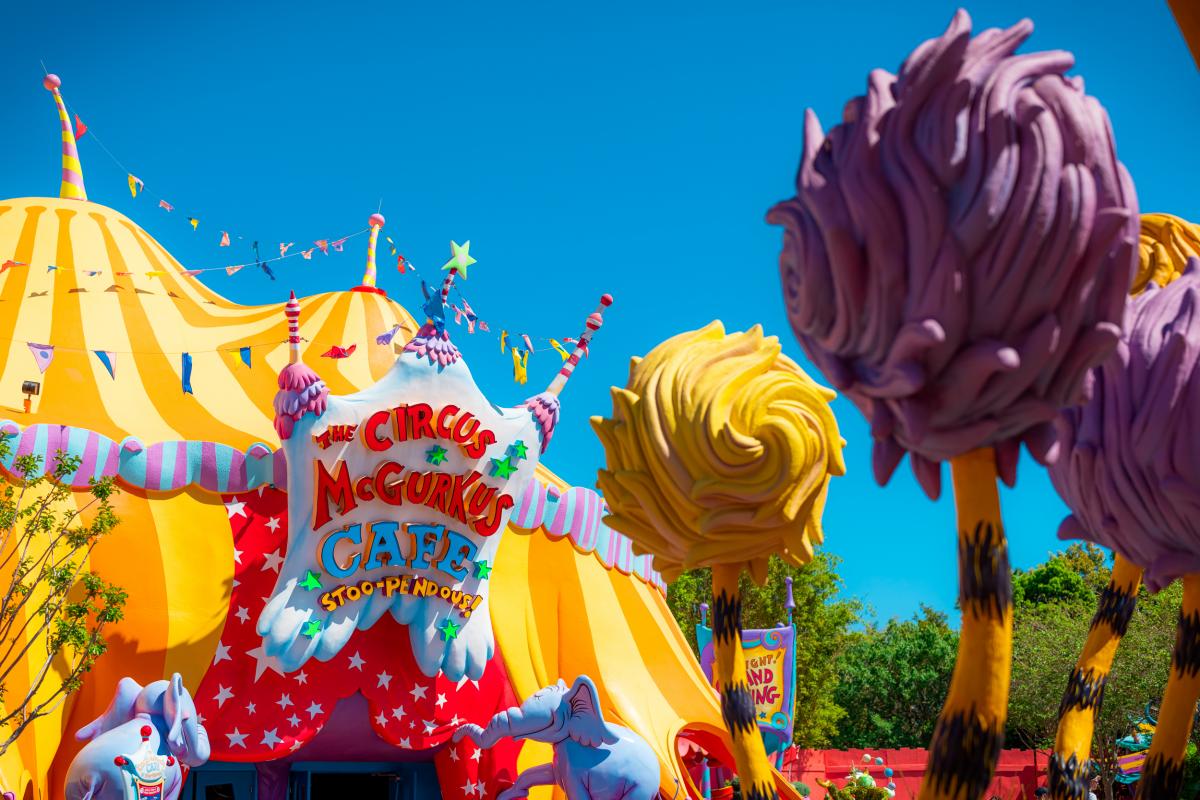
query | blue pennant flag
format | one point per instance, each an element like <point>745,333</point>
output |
<point>244,352</point>
<point>109,360</point>
<point>187,373</point>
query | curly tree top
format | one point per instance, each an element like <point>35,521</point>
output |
<point>1130,466</point>
<point>959,249</point>
<point>719,451</point>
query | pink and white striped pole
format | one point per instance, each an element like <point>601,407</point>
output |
<point>446,284</point>
<point>593,323</point>
<point>72,170</point>
<point>292,310</point>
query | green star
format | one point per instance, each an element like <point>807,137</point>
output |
<point>312,628</point>
<point>518,449</point>
<point>312,580</point>
<point>449,630</point>
<point>435,454</point>
<point>482,570</point>
<point>503,467</point>
<point>461,258</point>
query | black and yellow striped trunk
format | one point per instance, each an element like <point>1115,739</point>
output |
<point>1162,774</point>
<point>737,704</point>
<point>970,730</point>
<point>1068,779</point>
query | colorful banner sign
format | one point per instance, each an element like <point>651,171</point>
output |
<point>771,673</point>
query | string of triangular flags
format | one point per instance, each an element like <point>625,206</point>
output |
<point>323,245</point>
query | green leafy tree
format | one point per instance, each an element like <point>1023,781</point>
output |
<point>822,618</point>
<point>54,609</point>
<point>893,680</point>
<point>1056,581</point>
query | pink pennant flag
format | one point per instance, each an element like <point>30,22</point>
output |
<point>338,244</point>
<point>43,354</point>
<point>322,245</point>
<point>458,314</point>
<point>528,344</point>
<point>483,326</point>
<point>307,254</point>
<point>283,248</point>
<point>190,272</point>
<point>339,352</point>
<point>166,205</point>
<point>231,270</point>
<point>224,239</point>
<point>122,274</point>
<point>471,316</point>
<point>80,128</point>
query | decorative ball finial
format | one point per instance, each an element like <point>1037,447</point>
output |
<point>52,82</point>
<point>376,220</point>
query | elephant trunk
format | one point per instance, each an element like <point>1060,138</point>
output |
<point>511,723</point>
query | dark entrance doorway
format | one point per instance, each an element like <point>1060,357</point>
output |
<point>367,786</point>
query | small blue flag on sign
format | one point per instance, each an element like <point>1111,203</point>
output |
<point>245,354</point>
<point>187,373</point>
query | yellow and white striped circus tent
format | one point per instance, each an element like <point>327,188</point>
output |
<point>568,596</point>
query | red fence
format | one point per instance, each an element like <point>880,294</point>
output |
<point>1018,774</point>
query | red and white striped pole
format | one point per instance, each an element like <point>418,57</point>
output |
<point>446,284</point>
<point>293,317</point>
<point>593,323</point>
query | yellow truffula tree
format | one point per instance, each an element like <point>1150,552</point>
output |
<point>719,454</point>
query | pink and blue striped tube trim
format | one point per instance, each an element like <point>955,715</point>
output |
<point>576,514</point>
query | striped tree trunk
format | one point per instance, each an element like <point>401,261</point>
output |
<point>1068,779</point>
<point>1162,774</point>
<point>970,730</point>
<point>737,704</point>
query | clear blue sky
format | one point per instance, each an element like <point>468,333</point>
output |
<point>623,147</point>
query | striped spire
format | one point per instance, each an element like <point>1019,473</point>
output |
<point>376,222</point>
<point>293,317</point>
<point>72,171</point>
<point>594,321</point>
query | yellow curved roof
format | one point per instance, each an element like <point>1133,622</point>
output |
<point>148,321</point>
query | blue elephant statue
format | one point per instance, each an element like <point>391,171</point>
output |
<point>593,759</point>
<point>139,746</point>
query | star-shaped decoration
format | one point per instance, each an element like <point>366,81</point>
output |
<point>295,745</point>
<point>273,525</point>
<point>251,708</point>
<point>454,721</point>
<point>271,738</point>
<point>381,719</point>
<point>223,694</point>
<point>272,561</point>
<point>435,454</point>
<point>454,754</point>
<point>237,557</point>
<point>441,700</point>
<point>461,258</point>
<point>475,756</point>
<point>429,727</point>
<point>385,680</point>
<point>503,467</point>
<point>449,630</point>
<point>479,788</point>
<point>284,701</point>
<point>312,580</point>
<point>311,628</point>
<point>405,743</point>
<point>243,614</point>
<point>237,739</point>
<point>293,720</point>
<point>222,654</point>
<point>235,509</point>
<point>468,788</point>
<point>483,570</point>
<point>313,710</point>
<point>518,450</point>
<point>418,692</point>
<point>398,712</point>
<point>357,661</point>
<point>302,678</point>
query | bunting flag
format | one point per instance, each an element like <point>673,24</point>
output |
<point>91,273</point>
<point>195,222</point>
<point>503,341</point>
<point>307,254</point>
<point>400,264</point>
<point>520,362</point>
<point>187,373</point>
<point>51,268</point>
<point>339,352</point>
<point>322,245</point>
<point>231,270</point>
<point>483,326</point>
<point>166,205</point>
<point>80,128</point>
<point>387,336</point>
<point>391,244</point>
<point>191,272</point>
<point>109,360</point>
<point>10,263</point>
<point>263,266</point>
<point>224,238</point>
<point>156,273</point>
<point>559,349</point>
<point>470,314</point>
<point>337,245</point>
<point>244,352</point>
<point>135,184</point>
<point>283,248</point>
<point>43,354</point>
<point>528,343</point>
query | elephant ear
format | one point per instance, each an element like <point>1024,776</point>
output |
<point>174,702</point>
<point>585,723</point>
<point>120,710</point>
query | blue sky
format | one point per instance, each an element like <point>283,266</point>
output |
<point>632,148</point>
